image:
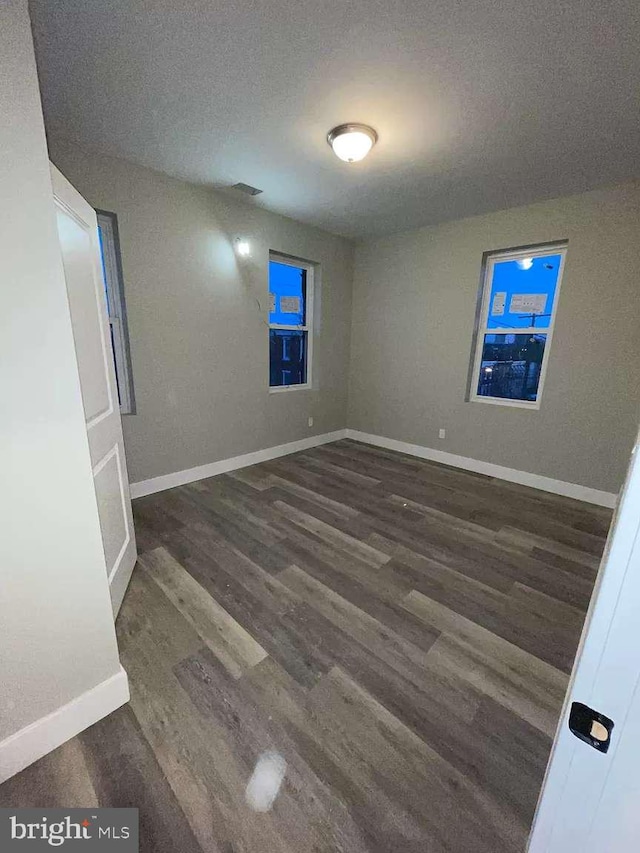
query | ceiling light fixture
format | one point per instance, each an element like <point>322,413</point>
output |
<point>352,142</point>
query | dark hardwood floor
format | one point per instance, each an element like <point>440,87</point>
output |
<point>400,632</point>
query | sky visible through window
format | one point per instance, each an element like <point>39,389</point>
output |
<point>286,292</point>
<point>517,278</point>
<point>104,269</point>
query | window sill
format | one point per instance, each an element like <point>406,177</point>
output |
<point>281,389</point>
<point>512,404</point>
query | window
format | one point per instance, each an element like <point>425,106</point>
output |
<point>290,323</point>
<point>519,298</point>
<point>112,272</point>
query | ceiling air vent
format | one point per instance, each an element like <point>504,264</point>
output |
<point>247,189</point>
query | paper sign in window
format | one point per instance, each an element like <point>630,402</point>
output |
<point>528,303</point>
<point>499,302</point>
<point>290,304</point>
<point>272,303</point>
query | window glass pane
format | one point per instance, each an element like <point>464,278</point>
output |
<point>287,357</point>
<point>115,362</point>
<point>104,268</point>
<point>522,293</point>
<point>112,274</point>
<point>511,365</point>
<point>287,294</point>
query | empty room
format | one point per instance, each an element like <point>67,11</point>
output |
<point>321,512</point>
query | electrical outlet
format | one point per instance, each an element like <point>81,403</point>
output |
<point>442,433</point>
<point>310,422</point>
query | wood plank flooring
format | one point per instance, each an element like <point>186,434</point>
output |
<point>400,632</point>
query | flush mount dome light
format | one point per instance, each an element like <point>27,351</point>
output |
<point>352,142</point>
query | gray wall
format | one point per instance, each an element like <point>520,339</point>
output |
<point>414,307</point>
<point>198,317</point>
<point>57,638</point>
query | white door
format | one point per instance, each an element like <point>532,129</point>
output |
<point>78,232</point>
<point>590,801</point>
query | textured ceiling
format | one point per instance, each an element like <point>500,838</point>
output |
<point>479,104</point>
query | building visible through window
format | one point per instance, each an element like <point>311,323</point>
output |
<point>290,324</point>
<point>519,299</point>
<point>116,309</point>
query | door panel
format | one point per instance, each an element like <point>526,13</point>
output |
<point>589,800</point>
<point>83,289</point>
<point>78,233</point>
<point>110,489</point>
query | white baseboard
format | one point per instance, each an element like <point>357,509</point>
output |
<point>513,475</point>
<point>190,475</point>
<point>46,734</point>
<point>525,478</point>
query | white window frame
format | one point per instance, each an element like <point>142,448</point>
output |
<point>108,223</point>
<point>482,329</point>
<point>307,327</point>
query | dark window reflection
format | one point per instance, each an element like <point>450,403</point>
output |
<point>511,366</point>
<point>287,357</point>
